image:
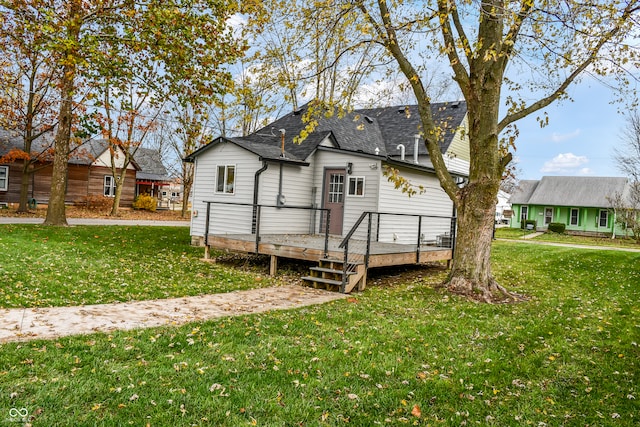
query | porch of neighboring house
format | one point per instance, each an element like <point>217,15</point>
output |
<point>343,262</point>
<point>152,188</point>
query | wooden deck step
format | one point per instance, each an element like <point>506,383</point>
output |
<point>329,275</point>
<point>322,280</point>
<point>329,270</point>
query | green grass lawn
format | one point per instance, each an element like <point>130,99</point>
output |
<point>517,233</point>
<point>400,354</point>
<point>57,266</point>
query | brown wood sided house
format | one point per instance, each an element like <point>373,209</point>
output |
<point>89,173</point>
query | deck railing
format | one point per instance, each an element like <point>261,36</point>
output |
<point>258,211</point>
<point>419,230</point>
<point>357,250</point>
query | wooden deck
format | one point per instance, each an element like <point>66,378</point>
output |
<point>311,248</point>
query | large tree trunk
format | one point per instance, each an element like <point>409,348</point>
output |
<point>119,183</point>
<point>56,214</point>
<point>24,187</point>
<point>187,183</point>
<point>470,274</point>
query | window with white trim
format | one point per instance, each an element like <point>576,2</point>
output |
<point>109,186</point>
<point>574,216</point>
<point>603,218</point>
<point>4,178</point>
<point>356,186</point>
<point>226,179</point>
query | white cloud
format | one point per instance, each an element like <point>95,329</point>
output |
<point>561,137</point>
<point>566,163</point>
<point>585,171</point>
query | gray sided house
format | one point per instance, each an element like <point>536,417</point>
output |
<point>581,203</point>
<point>339,167</point>
<point>266,184</point>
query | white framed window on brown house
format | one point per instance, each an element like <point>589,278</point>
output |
<point>356,186</point>
<point>109,186</point>
<point>574,216</point>
<point>603,218</point>
<point>226,179</point>
<point>4,178</point>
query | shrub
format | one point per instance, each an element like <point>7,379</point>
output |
<point>145,202</point>
<point>95,203</point>
<point>557,227</point>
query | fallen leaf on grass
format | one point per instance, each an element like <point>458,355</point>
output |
<point>416,411</point>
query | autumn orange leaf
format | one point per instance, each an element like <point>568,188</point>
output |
<point>416,411</point>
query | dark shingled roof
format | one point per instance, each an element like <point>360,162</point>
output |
<point>399,124</point>
<point>587,191</point>
<point>358,131</point>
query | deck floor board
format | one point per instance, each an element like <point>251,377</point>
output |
<point>311,248</point>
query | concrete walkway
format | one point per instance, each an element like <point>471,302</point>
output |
<point>568,245</point>
<point>532,235</point>
<point>97,221</point>
<point>53,322</point>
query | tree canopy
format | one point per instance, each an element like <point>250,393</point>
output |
<point>509,60</point>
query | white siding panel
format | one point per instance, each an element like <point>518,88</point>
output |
<point>296,188</point>
<point>224,218</point>
<point>434,202</point>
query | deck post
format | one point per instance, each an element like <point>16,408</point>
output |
<point>345,267</point>
<point>206,231</point>
<point>258,228</point>
<point>273,265</point>
<point>326,234</point>
<point>419,240</point>
<point>366,257</point>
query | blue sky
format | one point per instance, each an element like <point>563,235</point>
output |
<point>579,139</point>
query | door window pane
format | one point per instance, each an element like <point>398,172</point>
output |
<point>336,188</point>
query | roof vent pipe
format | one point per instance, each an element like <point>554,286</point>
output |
<point>415,149</point>
<point>401,148</point>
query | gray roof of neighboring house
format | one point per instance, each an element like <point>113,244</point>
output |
<point>523,192</point>
<point>150,163</point>
<point>588,191</point>
<point>359,131</point>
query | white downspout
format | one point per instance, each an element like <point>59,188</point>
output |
<point>401,148</point>
<point>415,149</point>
